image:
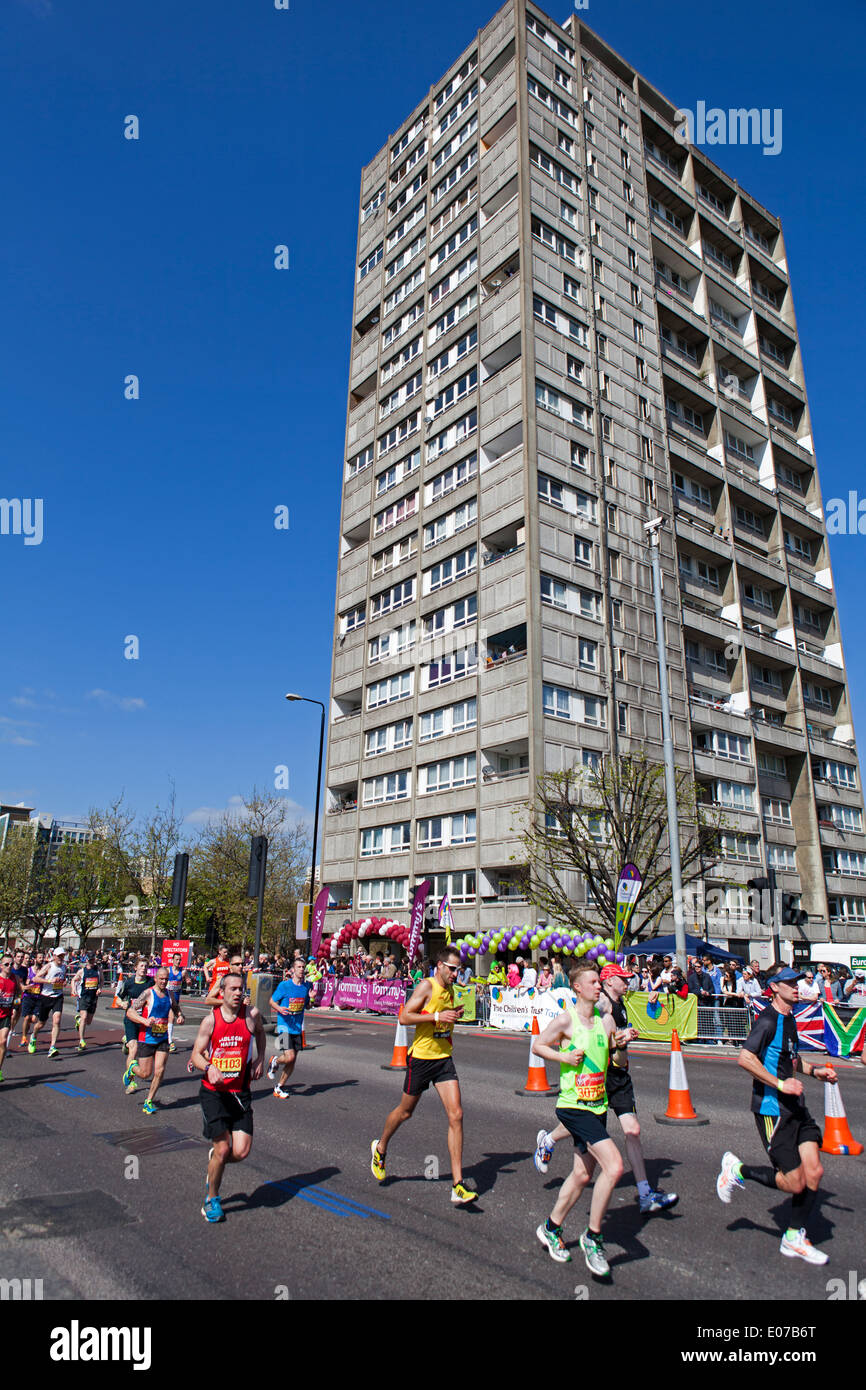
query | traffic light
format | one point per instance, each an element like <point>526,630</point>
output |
<point>258,860</point>
<point>178,881</point>
<point>792,916</point>
<point>763,886</point>
<point>211,936</point>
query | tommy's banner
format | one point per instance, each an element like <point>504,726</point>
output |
<point>376,996</point>
<point>320,907</point>
<point>416,921</point>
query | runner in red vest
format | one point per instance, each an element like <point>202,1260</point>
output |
<point>222,1053</point>
<point>216,968</point>
<point>10,993</point>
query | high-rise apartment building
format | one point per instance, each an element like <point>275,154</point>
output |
<point>567,322</point>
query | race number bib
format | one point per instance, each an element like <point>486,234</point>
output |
<point>158,1027</point>
<point>229,1063</point>
<point>590,1087</point>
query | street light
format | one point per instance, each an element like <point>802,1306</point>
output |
<point>318,786</point>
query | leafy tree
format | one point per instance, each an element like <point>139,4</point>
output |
<point>587,822</point>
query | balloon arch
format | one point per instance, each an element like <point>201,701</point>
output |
<point>566,943</point>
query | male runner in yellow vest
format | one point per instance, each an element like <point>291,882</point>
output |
<point>431,1012</point>
<point>580,1041</point>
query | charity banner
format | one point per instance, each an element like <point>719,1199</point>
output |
<point>384,996</point>
<point>627,893</point>
<point>464,997</point>
<point>416,919</point>
<point>319,909</point>
<point>514,1008</point>
<point>378,996</point>
<point>173,948</point>
<point>323,992</point>
<point>656,1022</point>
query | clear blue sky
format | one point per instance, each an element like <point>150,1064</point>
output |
<point>155,257</point>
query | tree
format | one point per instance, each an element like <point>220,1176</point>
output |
<point>219,865</point>
<point>586,822</point>
<point>16,857</point>
<point>87,882</point>
<point>143,853</point>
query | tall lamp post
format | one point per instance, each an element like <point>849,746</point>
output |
<point>318,787</point>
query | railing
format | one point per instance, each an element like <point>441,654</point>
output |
<point>499,658</point>
<point>493,557</point>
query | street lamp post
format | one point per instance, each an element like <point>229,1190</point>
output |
<point>653,528</point>
<point>318,787</point>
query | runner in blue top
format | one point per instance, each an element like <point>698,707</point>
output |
<point>288,1001</point>
<point>176,984</point>
<point>153,1012</point>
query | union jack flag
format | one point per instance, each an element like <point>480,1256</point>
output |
<point>809,1018</point>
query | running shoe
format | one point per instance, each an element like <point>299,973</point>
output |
<point>1,1076</point>
<point>281,1094</point>
<point>593,1253</point>
<point>801,1247</point>
<point>54,1052</point>
<point>213,1210</point>
<point>172,1047</point>
<point>377,1162</point>
<point>22,1042</point>
<point>124,1047</point>
<point>82,1047</point>
<point>133,1086</point>
<point>543,1151</point>
<point>462,1194</point>
<point>77,1020</point>
<point>31,1047</point>
<point>190,1068</point>
<point>272,1067</point>
<point>656,1201</point>
<point>128,1075</point>
<point>554,1244</point>
<point>149,1108</point>
<point>729,1179</point>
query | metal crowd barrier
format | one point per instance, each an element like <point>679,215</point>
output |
<point>726,1019</point>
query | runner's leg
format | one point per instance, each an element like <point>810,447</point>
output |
<point>449,1094</point>
<point>159,1061</point>
<point>609,1160</point>
<point>219,1156</point>
<point>398,1116</point>
<point>581,1173</point>
<point>286,1060</point>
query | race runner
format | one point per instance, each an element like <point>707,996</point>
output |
<point>431,1012</point>
<point>216,968</point>
<point>30,1000</point>
<point>289,1000</point>
<point>20,963</point>
<point>10,991</point>
<point>87,981</point>
<point>620,1095</point>
<point>789,1134</point>
<point>132,988</point>
<point>153,1013</point>
<point>53,979</point>
<point>580,1040</point>
<point>222,1052</point>
<point>177,982</point>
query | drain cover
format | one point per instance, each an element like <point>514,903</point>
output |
<point>160,1140</point>
<point>62,1214</point>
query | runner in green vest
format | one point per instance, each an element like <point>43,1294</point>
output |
<point>580,1041</point>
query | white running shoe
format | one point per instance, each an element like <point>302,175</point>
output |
<point>281,1094</point>
<point>543,1151</point>
<point>727,1182</point>
<point>272,1067</point>
<point>801,1247</point>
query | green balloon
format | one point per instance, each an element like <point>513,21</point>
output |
<point>609,944</point>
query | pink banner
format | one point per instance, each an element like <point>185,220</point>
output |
<point>378,996</point>
<point>320,907</point>
<point>416,921</point>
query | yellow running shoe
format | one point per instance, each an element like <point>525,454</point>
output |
<point>461,1195</point>
<point>377,1162</point>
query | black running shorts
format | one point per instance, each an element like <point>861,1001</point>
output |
<point>48,1005</point>
<point>30,1006</point>
<point>782,1135</point>
<point>146,1049</point>
<point>225,1111</point>
<point>422,1072</point>
<point>620,1091</point>
<point>584,1126</point>
<point>87,1001</point>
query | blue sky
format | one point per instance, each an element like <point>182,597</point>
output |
<point>155,257</point>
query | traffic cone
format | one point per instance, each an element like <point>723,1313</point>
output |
<point>536,1075</point>
<point>838,1138</point>
<point>115,1003</point>
<point>401,1047</point>
<point>680,1110</point>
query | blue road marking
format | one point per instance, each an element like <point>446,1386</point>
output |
<point>333,1202</point>
<point>66,1089</point>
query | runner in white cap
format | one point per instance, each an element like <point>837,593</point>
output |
<point>53,979</point>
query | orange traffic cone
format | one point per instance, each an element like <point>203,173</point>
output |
<point>115,1003</point>
<point>401,1048</point>
<point>838,1138</point>
<point>680,1110</point>
<point>536,1076</point>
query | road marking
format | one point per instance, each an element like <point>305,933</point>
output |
<point>66,1089</point>
<point>320,1196</point>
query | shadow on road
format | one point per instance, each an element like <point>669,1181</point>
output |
<point>279,1191</point>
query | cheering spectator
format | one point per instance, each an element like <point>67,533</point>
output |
<point>808,988</point>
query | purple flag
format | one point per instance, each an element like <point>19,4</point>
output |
<point>416,921</point>
<point>320,907</point>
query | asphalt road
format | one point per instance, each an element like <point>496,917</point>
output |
<point>101,1202</point>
